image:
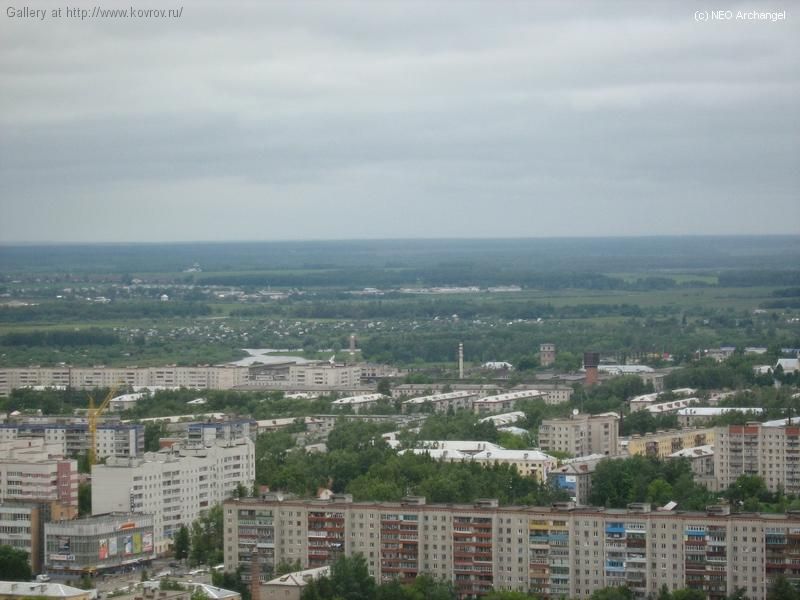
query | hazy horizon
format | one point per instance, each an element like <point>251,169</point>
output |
<point>398,120</point>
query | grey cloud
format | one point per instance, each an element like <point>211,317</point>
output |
<point>293,120</point>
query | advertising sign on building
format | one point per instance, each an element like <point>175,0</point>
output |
<point>102,552</point>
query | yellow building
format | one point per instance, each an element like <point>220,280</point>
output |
<point>663,443</point>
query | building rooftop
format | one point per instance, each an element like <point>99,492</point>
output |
<point>300,578</point>
<point>711,411</point>
<point>694,452</point>
<point>48,590</point>
<point>504,454</point>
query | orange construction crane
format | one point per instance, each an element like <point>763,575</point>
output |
<point>94,415</point>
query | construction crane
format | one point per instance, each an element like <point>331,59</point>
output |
<point>94,415</point>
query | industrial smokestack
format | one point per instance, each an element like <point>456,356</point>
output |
<point>352,344</point>
<point>255,576</point>
<point>460,360</point>
<point>591,360</point>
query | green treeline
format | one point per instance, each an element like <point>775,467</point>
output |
<point>406,308</point>
<point>70,311</point>
<point>87,337</point>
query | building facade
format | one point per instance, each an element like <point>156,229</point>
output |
<point>207,377</point>
<point>553,552</point>
<point>581,434</point>
<point>771,452</point>
<point>662,444</point>
<point>112,439</point>
<point>34,471</point>
<point>442,402</point>
<point>174,486</point>
<point>97,544</point>
<point>502,403</point>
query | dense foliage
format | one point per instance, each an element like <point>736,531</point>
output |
<point>359,462</point>
<point>14,564</point>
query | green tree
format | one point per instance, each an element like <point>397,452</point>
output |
<point>385,387</point>
<point>739,593</point>
<point>84,499</point>
<point>206,538</point>
<point>687,594</point>
<point>659,491</point>
<point>782,589</point>
<point>14,564</point>
<point>286,566</point>
<point>181,543</point>
<point>349,578</point>
<point>612,593</point>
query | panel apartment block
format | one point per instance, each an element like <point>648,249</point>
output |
<point>771,452</point>
<point>175,487</point>
<point>554,552</point>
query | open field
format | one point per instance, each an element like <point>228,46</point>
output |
<point>616,295</point>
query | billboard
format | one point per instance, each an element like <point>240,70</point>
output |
<point>112,546</point>
<point>102,551</point>
<point>127,544</point>
<point>147,542</point>
<point>64,544</point>
<point>137,543</point>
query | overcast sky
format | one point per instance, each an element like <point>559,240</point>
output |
<point>331,120</point>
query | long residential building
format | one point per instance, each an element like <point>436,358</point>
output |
<point>112,439</point>
<point>662,444</point>
<point>581,434</point>
<point>770,451</point>
<point>206,377</point>
<point>442,402</point>
<point>554,552</point>
<point>504,402</point>
<point>175,486</point>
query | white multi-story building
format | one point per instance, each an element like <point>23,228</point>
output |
<point>32,470</point>
<point>176,486</point>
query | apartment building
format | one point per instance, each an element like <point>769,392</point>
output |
<point>207,377</point>
<point>358,403</point>
<point>208,433</point>
<point>463,399</point>
<point>504,402</point>
<point>529,463</point>
<point>97,544</point>
<point>175,485</point>
<point>702,415</point>
<point>581,434</point>
<point>769,451</point>
<point>21,528</point>
<point>112,439</point>
<point>33,471</point>
<point>574,476</point>
<point>555,552</point>
<point>662,444</point>
<point>324,375</point>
